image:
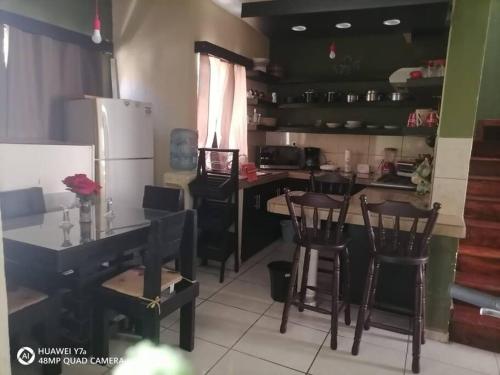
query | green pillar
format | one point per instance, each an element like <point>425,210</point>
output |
<point>464,65</point>
<point>459,110</point>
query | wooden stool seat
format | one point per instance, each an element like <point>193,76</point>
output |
<point>22,297</point>
<point>410,260</point>
<point>131,282</point>
<point>319,240</point>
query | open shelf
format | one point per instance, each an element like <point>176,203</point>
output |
<point>259,102</point>
<point>360,104</point>
<point>258,76</point>
<point>425,87</point>
<point>417,132</point>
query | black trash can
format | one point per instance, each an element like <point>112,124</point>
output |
<point>279,272</point>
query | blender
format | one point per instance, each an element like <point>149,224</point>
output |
<point>388,165</point>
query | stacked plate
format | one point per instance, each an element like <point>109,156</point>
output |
<point>351,124</point>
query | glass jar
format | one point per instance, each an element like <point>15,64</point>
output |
<point>85,210</point>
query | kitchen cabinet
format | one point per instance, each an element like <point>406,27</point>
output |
<point>260,228</point>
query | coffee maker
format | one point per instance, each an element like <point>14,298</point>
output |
<point>311,158</point>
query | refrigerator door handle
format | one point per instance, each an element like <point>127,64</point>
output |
<point>104,134</point>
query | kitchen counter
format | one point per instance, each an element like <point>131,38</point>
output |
<point>301,174</point>
<point>446,225</point>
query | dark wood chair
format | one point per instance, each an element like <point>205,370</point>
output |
<point>163,198</point>
<point>34,313</point>
<point>393,246</point>
<point>145,293</point>
<point>22,202</point>
<point>332,183</point>
<point>330,243</point>
<point>30,311</point>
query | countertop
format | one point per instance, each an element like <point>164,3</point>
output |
<point>302,174</point>
<point>446,225</point>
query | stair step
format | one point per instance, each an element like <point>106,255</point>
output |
<point>485,283</point>
<point>478,260</point>
<point>486,158</point>
<point>484,186</point>
<point>482,233</point>
<point>469,328</point>
<point>478,265</point>
<point>480,207</point>
<point>479,252</point>
<point>485,166</point>
<point>486,149</point>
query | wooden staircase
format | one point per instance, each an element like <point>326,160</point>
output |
<point>478,263</point>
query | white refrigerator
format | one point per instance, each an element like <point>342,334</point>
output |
<point>122,134</point>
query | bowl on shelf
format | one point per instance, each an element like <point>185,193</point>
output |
<point>372,126</point>
<point>268,121</point>
<point>260,64</point>
<point>334,125</point>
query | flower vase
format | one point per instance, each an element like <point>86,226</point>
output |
<point>85,211</point>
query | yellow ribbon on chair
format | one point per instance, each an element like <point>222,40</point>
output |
<point>153,303</point>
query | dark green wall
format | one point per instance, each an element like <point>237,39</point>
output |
<point>76,15</point>
<point>362,63</point>
<point>364,57</point>
<point>489,92</point>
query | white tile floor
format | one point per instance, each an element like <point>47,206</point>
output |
<point>237,332</point>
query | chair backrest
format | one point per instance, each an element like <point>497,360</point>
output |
<point>414,244</point>
<point>217,175</point>
<point>163,198</point>
<point>317,201</point>
<point>332,183</point>
<point>22,202</point>
<point>165,239</point>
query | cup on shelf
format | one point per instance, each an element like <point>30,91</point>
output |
<point>421,115</point>
<point>412,120</point>
<point>432,119</point>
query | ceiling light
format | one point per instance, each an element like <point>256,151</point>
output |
<point>299,28</point>
<point>343,25</point>
<point>392,22</point>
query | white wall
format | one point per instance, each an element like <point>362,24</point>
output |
<point>32,165</point>
<point>154,49</point>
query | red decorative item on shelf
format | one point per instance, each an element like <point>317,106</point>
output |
<point>250,171</point>
<point>432,120</point>
<point>412,120</point>
<point>416,74</point>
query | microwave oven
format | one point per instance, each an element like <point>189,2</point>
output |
<point>279,157</point>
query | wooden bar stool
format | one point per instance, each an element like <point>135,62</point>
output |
<point>326,239</point>
<point>404,249</point>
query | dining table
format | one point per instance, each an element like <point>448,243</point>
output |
<point>58,243</point>
<point>54,251</point>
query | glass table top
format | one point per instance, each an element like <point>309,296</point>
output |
<point>56,231</point>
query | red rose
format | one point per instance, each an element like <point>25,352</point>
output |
<point>82,185</point>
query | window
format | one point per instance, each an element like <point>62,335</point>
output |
<point>222,104</point>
